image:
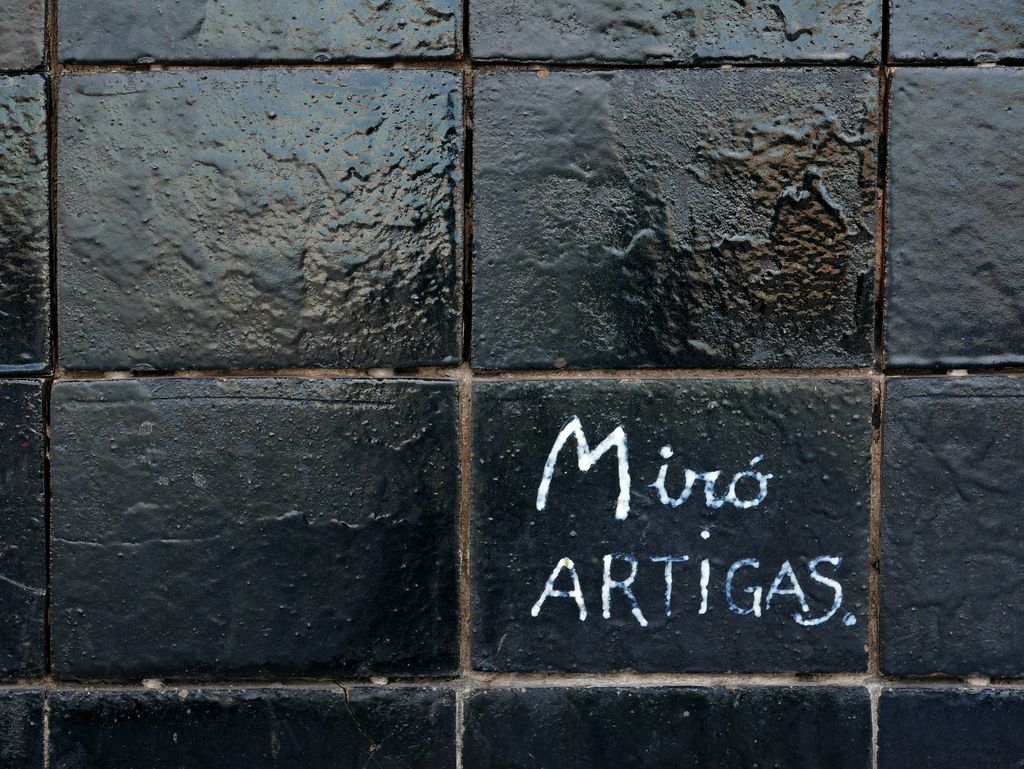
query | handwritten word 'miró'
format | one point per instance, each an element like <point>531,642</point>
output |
<point>586,458</point>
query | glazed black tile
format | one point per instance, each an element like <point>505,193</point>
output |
<point>21,729</point>
<point>703,525</point>
<point>955,261</point>
<point>668,728</point>
<point>327,728</point>
<point>952,535</point>
<point>674,218</point>
<point>260,219</point>
<point>950,728</point>
<point>254,528</point>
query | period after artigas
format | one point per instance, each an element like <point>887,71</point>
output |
<point>751,588</point>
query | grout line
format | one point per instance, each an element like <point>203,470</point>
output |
<point>465,395</point>
<point>886,52</point>
<point>465,481</point>
<point>472,681</point>
<point>467,64</point>
<point>456,371</point>
<point>52,89</point>
<point>874,573</point>
<point>38,69</point>
<point>644,374</point>
<point>1009,63</point>
<point>46,730</point>
<point>878,406</point>
<point>53,71</point>
<point>47,387</point>
<point>955,370</point>
<point>874,691</point>
<point>460,725</point>
<point>446,64</point>
<point>453,371</point>
<point>468,96</point>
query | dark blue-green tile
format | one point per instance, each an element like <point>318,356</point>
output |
<point>24,226</point>
<point>22,529</point>
<point>21,34</point>
<point>956,30</point>
<point>950,728</point>
<point>263,30</point>
<point>658,31</point>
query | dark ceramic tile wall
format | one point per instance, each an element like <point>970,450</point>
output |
<point>956,218</point>
<point>22,730</point>
<point>952,550</point>
<point>302,483</point>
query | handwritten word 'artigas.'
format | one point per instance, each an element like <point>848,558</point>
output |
<point>751,478</point>
<point>746,586</point>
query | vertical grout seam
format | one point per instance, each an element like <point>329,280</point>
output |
<point>465,395</point>
<point>52,73</point>
<point>465,391</point>
<point>874,574</point>
<point>46,730</point>
<point>874,691</point>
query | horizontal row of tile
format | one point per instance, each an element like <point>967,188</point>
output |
<point>601,728</point>
<point>255,528</point>
<point>682,219</point>
<point>643,31</point>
